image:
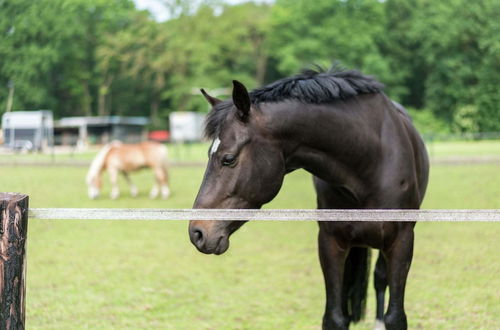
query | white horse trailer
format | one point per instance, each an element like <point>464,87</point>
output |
<point>28,130</point>
<point>186,126</point>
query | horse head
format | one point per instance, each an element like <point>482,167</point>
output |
<point>245,168</point>
<point>93,178</point>
<point>93,186</point>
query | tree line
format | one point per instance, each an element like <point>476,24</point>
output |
<point>105,57</point>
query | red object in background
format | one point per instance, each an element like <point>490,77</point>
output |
<point>159,136</point>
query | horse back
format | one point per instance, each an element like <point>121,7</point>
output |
<point>155,153</point>
<point>130,157</point>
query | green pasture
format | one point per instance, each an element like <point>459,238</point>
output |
<point>464,148</point>
<point>188,152</point>
<point>197,152</point>
<point>147,275</point>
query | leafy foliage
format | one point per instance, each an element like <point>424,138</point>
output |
<point>101,57</point>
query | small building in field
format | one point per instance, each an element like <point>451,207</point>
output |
<point>186,126</point>
<point>82,131</point>
<point>28,130</point>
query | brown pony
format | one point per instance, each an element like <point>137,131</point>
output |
<point>118,157</point>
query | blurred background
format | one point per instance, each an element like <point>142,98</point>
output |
<point>148,58</point>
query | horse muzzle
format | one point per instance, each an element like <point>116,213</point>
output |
<point>214,242</point>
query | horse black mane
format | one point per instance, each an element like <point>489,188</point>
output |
<point>311,86</point>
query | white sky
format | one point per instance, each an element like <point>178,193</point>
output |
<point>161,14</point>
<point>154,6</point>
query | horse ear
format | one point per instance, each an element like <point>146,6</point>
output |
<point>212,100</point>
<point>241,100</point>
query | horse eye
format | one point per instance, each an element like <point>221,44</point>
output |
<point>228,160</point>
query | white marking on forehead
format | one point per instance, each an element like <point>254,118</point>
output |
<point>215,146</point>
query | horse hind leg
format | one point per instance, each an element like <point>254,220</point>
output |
<point>380,284</point>
<point>165,191</point>
<point>133,188</point>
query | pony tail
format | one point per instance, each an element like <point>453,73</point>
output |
<point>98,162</point>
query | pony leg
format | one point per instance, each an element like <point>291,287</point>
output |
<point>380,283</point>
<point>165,191</point>
<point>332,259</point>
<point>154,191</point>
<point>113,177</point>
<point>161,177</point>
<point>133,188</point>
<point>399,258</point>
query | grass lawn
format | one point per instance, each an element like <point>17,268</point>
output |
<point>197,152</point>
<point>132,275</point>
<point>464,148</point>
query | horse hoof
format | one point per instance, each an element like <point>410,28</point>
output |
<point>154,193</point>
<point>379,325</point>
<point>165,192</point>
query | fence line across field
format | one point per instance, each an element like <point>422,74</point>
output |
<point>456,215</point>
<point>14,215</point>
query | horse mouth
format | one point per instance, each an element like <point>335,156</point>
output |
<point>220,246</point>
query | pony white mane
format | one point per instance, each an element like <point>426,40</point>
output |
<point>98,162</point>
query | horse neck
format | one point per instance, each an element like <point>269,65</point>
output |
<point>98,164</point>
<point>331,140</point>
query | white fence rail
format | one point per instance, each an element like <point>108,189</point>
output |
<point>14,214</point>
<point>264,215</point>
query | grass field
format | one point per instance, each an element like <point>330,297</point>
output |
<point>197,152</point>
<point>131,275</point>
<point>464,148</point>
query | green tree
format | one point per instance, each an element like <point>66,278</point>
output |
<point>211,47</point>
<point>32,35</point>
<point>324,31</point>
<point>48,50</point>
<point>459,47</point>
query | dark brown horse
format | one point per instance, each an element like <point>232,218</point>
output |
<point>363,152</point>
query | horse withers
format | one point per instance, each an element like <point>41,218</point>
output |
<point>118,157</point>
<point>362,151</point>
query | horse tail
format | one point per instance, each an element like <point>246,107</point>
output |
<point>356,274</point>
<point>98,162</point>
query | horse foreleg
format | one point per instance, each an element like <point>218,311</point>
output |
<point>133,188</point>
<point>161,177</point>
<point>332,258</point>
<point>113,178</point>
<point>380,283</point>
<point>398,258</point>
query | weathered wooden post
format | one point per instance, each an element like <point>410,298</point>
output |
<point>13,233</point>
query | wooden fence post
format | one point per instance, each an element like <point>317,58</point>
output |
<point>13,232</point>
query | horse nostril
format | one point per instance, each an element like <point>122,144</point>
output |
<point>197,237</point>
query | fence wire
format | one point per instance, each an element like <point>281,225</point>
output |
<point>402,215</point>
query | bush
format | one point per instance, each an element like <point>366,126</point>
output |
<point>427,123</point>
<point>465,119</point>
